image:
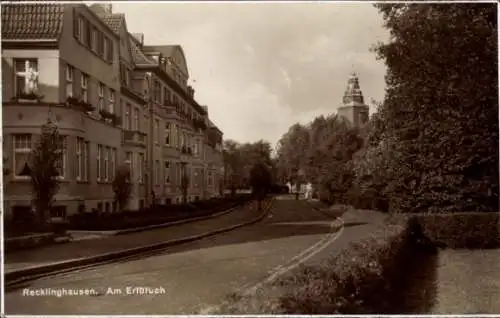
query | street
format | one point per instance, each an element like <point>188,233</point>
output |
<point>189,278</point>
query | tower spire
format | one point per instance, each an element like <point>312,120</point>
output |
<point>353,106</point>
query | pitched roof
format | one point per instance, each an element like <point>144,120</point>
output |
<point>32,21</point>
<point>114,21</point>
<point>138,56</point>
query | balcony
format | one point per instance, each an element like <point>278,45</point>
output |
<point>134,138</point>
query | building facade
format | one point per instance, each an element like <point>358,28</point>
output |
<point>115,100</point>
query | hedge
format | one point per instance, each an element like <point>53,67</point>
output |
<point>462,230</point>
<point>157,214</point>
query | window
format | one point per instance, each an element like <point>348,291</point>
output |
<point>157,171</point>
<point>136,125</point>
<point>111,52</point>
<point>166,96</point>
<point>112,166</point>
<point>157,130</point>
<point>100,95</point>
<point>95,40</point>
<point>82,159</point>
<point>105,48</point>
<point>127,116</point>
<point>70,75</point>
<point>167,134</point>
<point>124,74</point>
<point>79,28</point>
<point>166,169</point>
<point>195,148</point>
<point>87,37</point>
<point>84,84</point>
<point>173,135</point>
<point>106,163</point>
<point>21,151</point>
<point>79,158</point>
<point>99,162</point>
<point>100,47</point>
<point>111,101</point>
<point>62,162</point>
<point>195,177</point>
<point>140,178</point>
<point>86,161</point>
<point>210,178</point>
<point>22,66</point>
<point>129,162</point>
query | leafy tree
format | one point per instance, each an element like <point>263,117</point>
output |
<point>330,160</point>
<point>292,153</point>
<point>46,162</point>
<point>260,180</point>
<point>252,153</point>
<point>440,113</point>
<point>232,165</point>
<point>6,171</point>
<point>122,187</point>
<point>184,185</point>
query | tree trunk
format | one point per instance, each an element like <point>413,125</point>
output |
<point>41,212</point>
<point>259,204</point>
<point>184,196</point>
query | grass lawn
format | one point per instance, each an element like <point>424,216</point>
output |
<point>467,282</point>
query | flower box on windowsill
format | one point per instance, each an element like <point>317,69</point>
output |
<point>85,106</point>
<point>110,117</point>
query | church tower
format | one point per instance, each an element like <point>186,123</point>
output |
<point>353,106</point>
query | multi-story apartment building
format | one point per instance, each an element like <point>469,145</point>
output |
<point>115,101</point>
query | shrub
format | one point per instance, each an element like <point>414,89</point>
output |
<point>158,214</point>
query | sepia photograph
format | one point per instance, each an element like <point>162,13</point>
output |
<point>250,158</point>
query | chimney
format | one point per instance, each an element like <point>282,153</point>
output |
<point>102,9</point>
<point>139,37</point>
<point>190,90</point>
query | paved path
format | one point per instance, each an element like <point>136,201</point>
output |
<point>86,248</point>
<point>190,277</point>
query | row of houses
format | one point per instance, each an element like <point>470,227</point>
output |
<point>114,99</point>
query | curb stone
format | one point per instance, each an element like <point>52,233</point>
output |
<point>17,277</point>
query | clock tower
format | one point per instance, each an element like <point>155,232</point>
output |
<point>353,106</point>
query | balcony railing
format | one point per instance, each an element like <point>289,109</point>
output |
<point>134,138</point>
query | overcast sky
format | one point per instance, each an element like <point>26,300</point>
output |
<point>261,67</point>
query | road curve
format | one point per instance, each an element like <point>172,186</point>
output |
<point>189,278</point>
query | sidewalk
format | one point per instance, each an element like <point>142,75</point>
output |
<point>87,248</point>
